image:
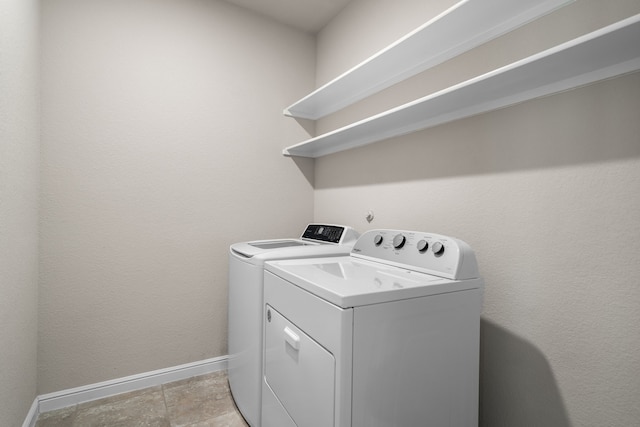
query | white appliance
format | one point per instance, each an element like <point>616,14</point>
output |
<point>385,337</point>
<point>246,262</point>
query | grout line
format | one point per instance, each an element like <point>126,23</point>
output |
<point>164,401</point>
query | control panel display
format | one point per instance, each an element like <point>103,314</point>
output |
<point>323,233</point>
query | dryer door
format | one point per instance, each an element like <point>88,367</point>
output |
<point>300,372</point>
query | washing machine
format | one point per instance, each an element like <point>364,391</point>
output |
<point>246,262</point>
<point>387,336</point>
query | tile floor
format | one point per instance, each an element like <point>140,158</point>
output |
<point>203,401</point>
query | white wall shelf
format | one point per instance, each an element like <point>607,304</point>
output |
<point>608,52</point>
<point>465,25</point>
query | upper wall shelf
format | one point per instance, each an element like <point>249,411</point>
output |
<point>464,26</point>
<point>611,51</point>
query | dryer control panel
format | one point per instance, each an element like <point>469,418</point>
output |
<point>419,251</point>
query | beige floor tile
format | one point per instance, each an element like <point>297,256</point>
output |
<point>59,418</point>
<point>232,419</point>
<point>226,420</point>
<point>199,399</point>
<point>144,408</point>
<point>203,401</point>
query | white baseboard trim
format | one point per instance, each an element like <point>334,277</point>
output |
<point>32,415</point>
<point>73,396</point>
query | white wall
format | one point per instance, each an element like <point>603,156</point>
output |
<point>19,158</point>
<point>162,139</point>
<point>548,194</point>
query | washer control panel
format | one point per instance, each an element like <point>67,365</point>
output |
<point>337,234</point>
<point>419,251</point>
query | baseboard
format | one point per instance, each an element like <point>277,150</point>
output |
<point>32,415</point>
<point>65,398</point>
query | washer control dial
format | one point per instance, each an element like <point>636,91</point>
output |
<point>378,240</point>
<point>399,241</point>
<point>438,248</point>
<point>422,246</point>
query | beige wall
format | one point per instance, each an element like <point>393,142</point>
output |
<point>19,135</point>
<point>548,194</point>
<point>162,139</point>
<point>162,132</point>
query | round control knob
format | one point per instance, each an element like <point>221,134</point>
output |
<point>438,248</point>
<point>378,240</point>
<point>399,241</point>
<point>423,245</point>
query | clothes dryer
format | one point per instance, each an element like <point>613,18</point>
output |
<point>385,337</point>
<point>246,262</point>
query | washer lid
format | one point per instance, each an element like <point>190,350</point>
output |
<point>333,239</point>
<point>262,247</point>
<point>277,244</point>
<point>350,282</point>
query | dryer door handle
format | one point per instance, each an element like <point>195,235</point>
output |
<point>291,338</point>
